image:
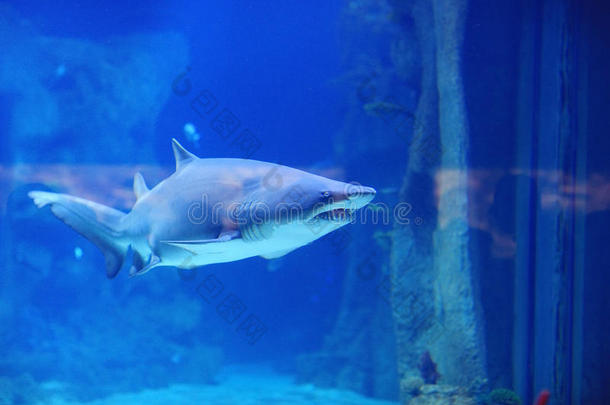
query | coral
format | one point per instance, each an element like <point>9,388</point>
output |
<point>503,396</point>
<point>427,368</point>
<point>442,395</point>
<point>411,385</point>
<point>543,397</point>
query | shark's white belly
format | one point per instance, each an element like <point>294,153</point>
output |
<point>283,240</point>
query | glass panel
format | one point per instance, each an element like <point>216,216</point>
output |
<point>362,202</point>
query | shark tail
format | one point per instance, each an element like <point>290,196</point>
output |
<point>100,224</point>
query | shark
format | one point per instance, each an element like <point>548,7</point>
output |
<point>212,210</point>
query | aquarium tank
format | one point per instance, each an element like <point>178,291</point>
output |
<point>354,202</point>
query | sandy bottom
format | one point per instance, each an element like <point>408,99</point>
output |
<point>237,386</point>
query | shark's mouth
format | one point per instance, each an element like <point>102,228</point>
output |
<point>337,214</point>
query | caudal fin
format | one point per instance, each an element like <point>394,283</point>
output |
<point>96,222</point>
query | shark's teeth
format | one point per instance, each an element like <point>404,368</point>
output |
<point>336,215</point>
<point>333,206</point>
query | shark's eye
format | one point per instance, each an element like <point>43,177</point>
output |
<point>326,194</point>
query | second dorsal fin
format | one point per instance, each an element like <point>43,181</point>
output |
<point>182,155</point>
<point>139,185</point>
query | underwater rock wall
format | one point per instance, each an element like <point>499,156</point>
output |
<point>412,292</point>
<point>358,354</point>
<point>436,304</point>
<point>428,272</point>
<point>93,101</point>
<point>383,67</point>
<point>461,349</point>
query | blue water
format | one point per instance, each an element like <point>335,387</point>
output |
<point>477,275</point>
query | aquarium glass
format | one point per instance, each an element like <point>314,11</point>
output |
<point>356,202</point>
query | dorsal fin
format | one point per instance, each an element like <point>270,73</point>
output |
<point>182,155</point>
<point>139,185</point>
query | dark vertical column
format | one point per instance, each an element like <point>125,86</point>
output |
<point>591,347</point>
<point>525,216</point>
<point>553,284</point>
<point>547,243</point>
<point>579,94</point>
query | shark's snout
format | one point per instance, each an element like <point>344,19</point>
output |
<point>342,203</point>
<point>359,196</point>
<point>361,191</point>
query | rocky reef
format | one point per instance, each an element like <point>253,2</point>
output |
<point>425,273</point>
<point>129,344</point>
<point>78,94</point>
<point>495,291</point>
